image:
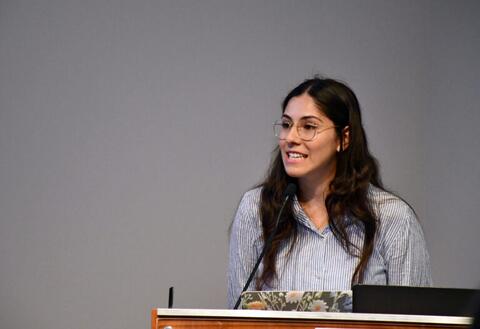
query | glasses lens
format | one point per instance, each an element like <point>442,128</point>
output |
<point>282,128</point>
<point>306,132</point>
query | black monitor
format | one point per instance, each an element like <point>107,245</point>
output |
<point>413,300</point>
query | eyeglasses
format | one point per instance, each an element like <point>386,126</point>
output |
<point>307,131</point>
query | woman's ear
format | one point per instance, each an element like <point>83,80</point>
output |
<point>345,139</point>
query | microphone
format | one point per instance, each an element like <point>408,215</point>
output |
<point>289,192</point>
<point>170,297</point>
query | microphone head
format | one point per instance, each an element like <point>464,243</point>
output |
<point>290,190</point>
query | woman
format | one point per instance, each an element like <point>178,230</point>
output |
<point>341,227</point>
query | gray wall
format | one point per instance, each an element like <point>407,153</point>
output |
<point>130,129</point>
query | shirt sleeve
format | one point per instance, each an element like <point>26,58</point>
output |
<point>406,256</point>
<point>245,243</point>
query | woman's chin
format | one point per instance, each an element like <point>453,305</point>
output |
<point>294,173</point>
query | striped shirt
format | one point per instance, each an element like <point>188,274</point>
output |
<point>319,262</point>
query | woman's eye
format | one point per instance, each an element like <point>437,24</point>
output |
<point>309,127</point>
<point>286,125</point>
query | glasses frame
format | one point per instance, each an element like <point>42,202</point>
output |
<point>315,134</point>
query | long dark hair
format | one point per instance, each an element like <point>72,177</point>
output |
<point>356,169</point>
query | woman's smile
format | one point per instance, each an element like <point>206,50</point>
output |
<point>295,157</point>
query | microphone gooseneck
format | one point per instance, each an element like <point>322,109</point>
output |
<point>289,192</point>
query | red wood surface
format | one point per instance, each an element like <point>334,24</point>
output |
<point>242,323</point>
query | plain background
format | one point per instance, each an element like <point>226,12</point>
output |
<point>130,129</point>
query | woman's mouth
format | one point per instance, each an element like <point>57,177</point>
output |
<point>296,155</point>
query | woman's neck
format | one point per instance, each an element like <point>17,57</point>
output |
<point>315,188</point>
<point>313,192</point>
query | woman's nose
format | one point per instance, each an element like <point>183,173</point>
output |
<point>292,135</point>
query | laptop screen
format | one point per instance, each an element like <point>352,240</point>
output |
<point>303,301</point>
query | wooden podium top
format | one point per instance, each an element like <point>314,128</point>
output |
<point>233,319</point>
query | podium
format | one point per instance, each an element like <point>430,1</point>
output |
<point>234,319</point>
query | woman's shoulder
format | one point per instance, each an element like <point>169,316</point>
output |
<point>391,211</point>
<point>251,198</point>
<point>247,217</point>
<point>250,203</point>
<point>400,239</point>
<point>386,201</point>
<point>253,194</point>
<point>398,225</point>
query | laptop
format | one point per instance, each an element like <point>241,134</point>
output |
<point>413,300</point>
<point>302,301</point>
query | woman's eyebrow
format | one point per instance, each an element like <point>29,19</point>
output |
<point>303,118</point>
<point>311,117</point>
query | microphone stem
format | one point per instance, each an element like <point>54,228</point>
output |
<point>265,247</point>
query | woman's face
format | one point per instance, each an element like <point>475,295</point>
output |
<point>314,159</point>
